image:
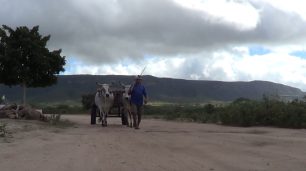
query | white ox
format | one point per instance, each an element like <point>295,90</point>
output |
<point>104,101</point>
<point>127,110</point>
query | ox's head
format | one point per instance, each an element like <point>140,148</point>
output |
<point>104,90</point>
<point>126,91</point>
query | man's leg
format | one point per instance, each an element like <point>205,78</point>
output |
<point>134,113</point>
<point>139,113</point>
<point>138,116</point>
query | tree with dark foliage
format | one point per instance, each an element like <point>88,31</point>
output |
<point>26,61</point>
<point>88,100</point>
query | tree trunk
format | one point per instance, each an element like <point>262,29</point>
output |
<point>24,93</point>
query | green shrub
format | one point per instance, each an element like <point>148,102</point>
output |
<point>3,130</point>
<point>241,112</point>
<point>88,100</point>
<point>209,108</point>
<point>187,112</point>
<point>265,113</point>
<point>64,109</point>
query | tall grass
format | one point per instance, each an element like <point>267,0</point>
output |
<point>64,109</point>
<point>196,113</point>
<point>242,112</point>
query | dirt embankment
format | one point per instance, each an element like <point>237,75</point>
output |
<point>158,145</point>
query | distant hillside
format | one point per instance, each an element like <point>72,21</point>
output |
<point>70,88</point>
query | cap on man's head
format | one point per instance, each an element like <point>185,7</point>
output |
<point>138,77</point>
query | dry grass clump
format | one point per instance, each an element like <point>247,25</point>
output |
<point>3,130</point>
<point>56,120</point>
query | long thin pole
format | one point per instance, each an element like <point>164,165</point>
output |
<point>143,70</point>
<point>132,87</point>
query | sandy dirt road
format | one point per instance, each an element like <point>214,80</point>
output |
<point>158,145</point>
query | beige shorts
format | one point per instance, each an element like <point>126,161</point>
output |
<point>138,110</point>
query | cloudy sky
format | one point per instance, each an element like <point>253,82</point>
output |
<point>226,40</point>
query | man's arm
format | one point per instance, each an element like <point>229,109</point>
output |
<point>145,95</point>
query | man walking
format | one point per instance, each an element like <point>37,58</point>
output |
<point>138,97</point>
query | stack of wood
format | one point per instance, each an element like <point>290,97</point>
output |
<point>9,111</point>
<point>14,111</point>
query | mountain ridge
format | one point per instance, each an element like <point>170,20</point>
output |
<point>72,87</point>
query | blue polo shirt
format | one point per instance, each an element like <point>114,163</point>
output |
<point>137,94</point>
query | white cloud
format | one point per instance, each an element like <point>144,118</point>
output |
<point>192,39</point>
<point>225,11</point>
<point>276,67</point>
<point>232,65</point>
<point>292,6</point>
<point>109,31</point>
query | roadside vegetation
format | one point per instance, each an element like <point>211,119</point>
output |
<point>60,107</point>
<point>241,112</point>
<point>64,109</point>
<point>3,129</point>
<point>57,121</point>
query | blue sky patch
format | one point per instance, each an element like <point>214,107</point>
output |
<point>258,50</point>
<point>70,66</point>
<point>300,53</point>
<point>149,57</point>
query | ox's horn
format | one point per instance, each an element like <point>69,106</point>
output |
<point>99,84</point>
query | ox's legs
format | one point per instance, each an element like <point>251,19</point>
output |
<point>104,123</point>
<point>130,118</point>
<point>105,119</point>
<point>102,117</point>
